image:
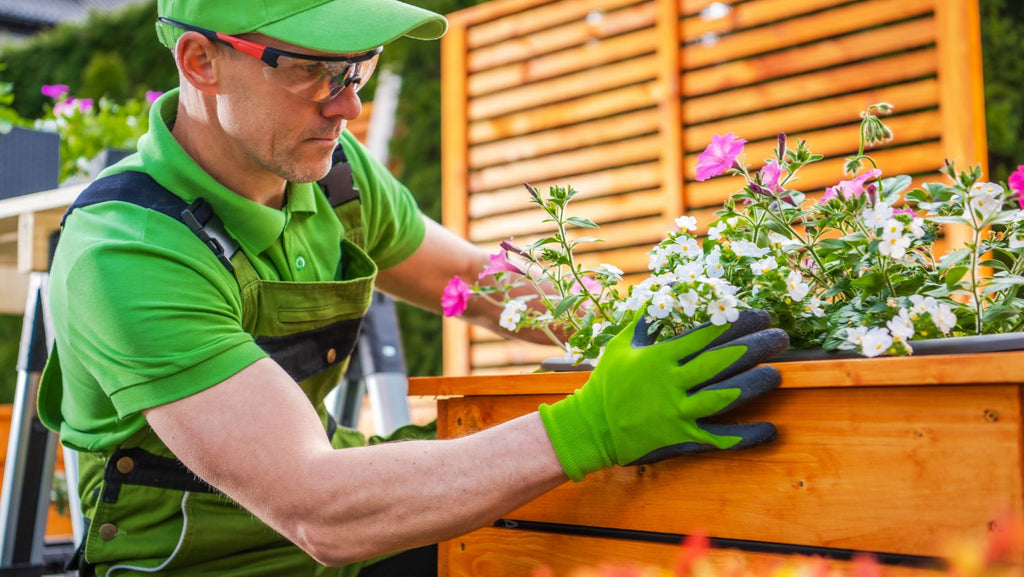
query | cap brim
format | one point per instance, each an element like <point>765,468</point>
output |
<point>349,26</point>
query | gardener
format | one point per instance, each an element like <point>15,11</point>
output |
<point>206,295</point>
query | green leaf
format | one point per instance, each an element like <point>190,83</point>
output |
<point>581,222</point>
<point>953,258</point>
<point>954,274</point>
<point>994,264</point>
<point>565,305</point>
<point>869,283</point>
<point>542,242</point>
<point>896,184</point>
<point>949,219</point>
<point>833,243</point>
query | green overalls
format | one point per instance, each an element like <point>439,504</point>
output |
<point>141,502</point>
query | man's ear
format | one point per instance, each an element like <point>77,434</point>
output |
<point>195,55</point>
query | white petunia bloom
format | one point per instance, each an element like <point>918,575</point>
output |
<point>713,265</point>
<point>657,259</point>
<point>687,223</point>
<point>796,287</point>
<point>985,199</point>
<point>691,271</point>
<point>723,310</point>
<point>715,232</point>
<point>687,247</point>
<point>720,287</point>
<point>894,247</point>
<point>747,248</point>
<point>813,307</point>
<point>893,228</point>
<point>512,314</point>
<point>901,326</point>
<point>688,302</point>
<point>917,227</point>
<point>921,305</point>
<point>611,270</point>
<point>764,265</point>
<point>641,293</point>
<point>875,342</point>
<point>662,304</point>
<point>944,318</point>
<point>876,217</point>
<point>855,336</point>
<point>572,354</point>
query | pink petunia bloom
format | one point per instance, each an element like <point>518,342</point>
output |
<point>853,188</point>
<point>592,285</point>
<point>54,91</point>
<point>500,263</point>
<point>909,211</point>
<point>85,104</point>
<point>770,175</point>
<point>455,297</point>
<point>1016,184</point>
<point>719,156</point>
<point>152,95</point>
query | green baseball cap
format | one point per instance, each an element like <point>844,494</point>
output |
<point>345,26</point>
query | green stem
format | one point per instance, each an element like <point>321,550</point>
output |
<point>560,221</point>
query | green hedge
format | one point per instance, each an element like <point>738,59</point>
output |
<point>88,59</point>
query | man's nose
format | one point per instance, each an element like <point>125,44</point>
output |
<point>346,104</point>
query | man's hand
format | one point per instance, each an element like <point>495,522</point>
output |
<point>647,402</point>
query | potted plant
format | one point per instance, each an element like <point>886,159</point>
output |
<point>852,271</point>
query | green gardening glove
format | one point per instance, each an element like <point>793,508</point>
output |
<point>646,402</point>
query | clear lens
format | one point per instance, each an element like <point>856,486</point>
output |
<point>318,80</point>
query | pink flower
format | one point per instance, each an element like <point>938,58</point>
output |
<point>909,211</point>
<point>152,95</point>
<point>1016,183</point>
<point>770,174</point>
<point>455,297</point>
<point>719,156</point>
<point>54,91</point>
<point>591,284</point>
<point>500,263</point>
<point>850,188</point>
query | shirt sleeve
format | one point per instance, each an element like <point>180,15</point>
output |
<point>392,219</point>
<point>150,319</point>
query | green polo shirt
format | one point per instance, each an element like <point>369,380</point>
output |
<point>143,312</point>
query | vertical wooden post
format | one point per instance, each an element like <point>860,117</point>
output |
<point>670,109</point>
<point>962,93</point>
<point>454,173</point>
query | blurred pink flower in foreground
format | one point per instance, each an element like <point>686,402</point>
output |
<point>500,263</point>
<point>1016,183</point>
<point>719,156</point>
<point>848,189</point>
<point>152,95</point>
<point>54,91</point>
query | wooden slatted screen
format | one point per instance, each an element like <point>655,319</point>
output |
<point>618,97</point>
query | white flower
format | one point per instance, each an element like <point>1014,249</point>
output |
<point>688,302</point>
<point>876,217</point>
<point>944,318</point>
<point>875,342</point>
<point>597,328</point>
<point>796,287</point>
<point>855,336</point>
<point>763,266</point>
<point>687,247</point>
<point>665,278</point>
<point>687,223</point>
<point>713,265</point>
<point>691,271</point>
<point>813,307</point>
<point>720,287</point>
<point>662,304</point>
<point>776,239</point>
<point>901,326</point>
<point>1016,241</point>
<point>917,227</point>
<point>921,305</point>
<point>657,259</point>
<point>512,314</point>
<point>715,232</point>
<point>893,228</point>
<point>610,270</point>
<point>747,248</point>
<point>985,199</point>
<point>640,294</point>
<point>572,354</point>
<point>723,310</point>
<point>894,247</point>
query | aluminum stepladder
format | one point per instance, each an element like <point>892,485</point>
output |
<point>31,454</point>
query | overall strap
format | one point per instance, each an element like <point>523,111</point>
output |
<point>140,189</point>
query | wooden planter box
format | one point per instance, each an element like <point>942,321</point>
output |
<point>894,456</point>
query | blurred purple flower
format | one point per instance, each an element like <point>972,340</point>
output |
<point>152,95</point>
<point>719,156</point>
<point>1016,184</point>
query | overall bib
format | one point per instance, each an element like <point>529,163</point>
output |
<point>145,505</point>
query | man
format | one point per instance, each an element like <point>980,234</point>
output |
<point>199,281</point>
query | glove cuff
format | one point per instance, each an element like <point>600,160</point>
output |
<point>580,444</point>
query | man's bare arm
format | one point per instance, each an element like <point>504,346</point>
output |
<point>256,437</point>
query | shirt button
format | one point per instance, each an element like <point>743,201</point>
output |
<point>125,465</point>
<point>108,531</point>
<point>331,355</point>
<point>300,263</point>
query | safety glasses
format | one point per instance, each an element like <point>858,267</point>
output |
<point>316,78</point>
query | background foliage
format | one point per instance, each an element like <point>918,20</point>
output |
<point>116,55</point>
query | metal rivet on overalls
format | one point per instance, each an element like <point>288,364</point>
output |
<point>108,531</point>
<point>300,263</point>
<point>331,355</point>
<point>125,465</point>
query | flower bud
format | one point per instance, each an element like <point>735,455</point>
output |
<point>782,145</point>
<point>532,191</point>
